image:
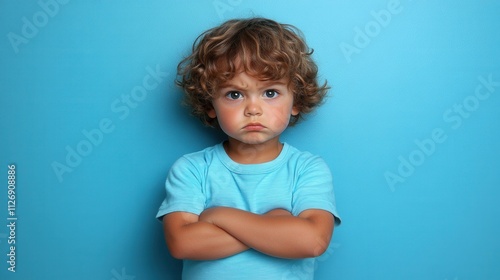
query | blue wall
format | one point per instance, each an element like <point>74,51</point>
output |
<point>91,121</point>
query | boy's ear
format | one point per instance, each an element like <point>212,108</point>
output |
<point>211,113</point>
<point>295,111</point>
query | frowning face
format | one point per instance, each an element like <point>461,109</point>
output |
<point>252,111</point>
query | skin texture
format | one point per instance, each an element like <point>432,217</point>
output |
<point>253,113</point>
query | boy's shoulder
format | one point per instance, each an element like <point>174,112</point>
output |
<point>202,154</point>
<point>194,162</point>
<point>303,157</point>
<point>299,153</point>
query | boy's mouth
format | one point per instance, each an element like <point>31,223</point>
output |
<point>255,126</point>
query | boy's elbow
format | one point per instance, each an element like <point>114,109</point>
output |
<point>175,235</point>
<point>177,249</point>
<point>317,246</point>
<point>318,250</point>
<point>176,245</point>
<point>176,253</point>
<point>318,236</point>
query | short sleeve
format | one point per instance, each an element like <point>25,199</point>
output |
<point>183,189</point>
<point>314,188</point>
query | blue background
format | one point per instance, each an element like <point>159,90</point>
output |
<point>396,80</point>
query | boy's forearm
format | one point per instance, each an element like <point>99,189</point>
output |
<point>284,236</point>
<point>202,241</point>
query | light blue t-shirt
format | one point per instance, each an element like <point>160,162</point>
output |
<point>295,181</point>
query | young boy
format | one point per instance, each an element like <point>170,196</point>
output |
<point>251,207</point>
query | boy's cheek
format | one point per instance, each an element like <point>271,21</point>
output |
<point>282,118</point>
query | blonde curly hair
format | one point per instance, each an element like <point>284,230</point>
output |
<point>265,49</point>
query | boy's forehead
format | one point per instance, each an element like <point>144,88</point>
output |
<point>243,79</point>
<point>238,70</point>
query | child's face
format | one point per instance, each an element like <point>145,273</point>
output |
<point>252,111</point>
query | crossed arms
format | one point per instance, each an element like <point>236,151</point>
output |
<point>223,231</point>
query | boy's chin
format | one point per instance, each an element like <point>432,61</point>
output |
<point>256,141</point>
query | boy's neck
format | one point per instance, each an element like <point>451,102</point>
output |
<point>253,154</point>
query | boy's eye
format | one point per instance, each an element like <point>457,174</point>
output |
<point>271,93</point>
<point>233,95</point>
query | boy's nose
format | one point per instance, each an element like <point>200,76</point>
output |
<point>253,108</point>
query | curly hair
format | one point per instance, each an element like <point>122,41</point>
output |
<point>264,49</point>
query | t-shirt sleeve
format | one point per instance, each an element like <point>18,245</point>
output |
<point>183,189</point>
<point>314,188</point>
